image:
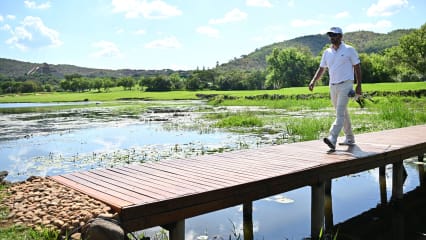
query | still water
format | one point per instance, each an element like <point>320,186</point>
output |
<point>44,144</point>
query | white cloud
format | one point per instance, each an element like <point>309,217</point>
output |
<point>156,9</point>
<point>32,33</point>
<point>258,3</point>
<point>170,42</point>
<point>5,27</point>
<point>342,15</point>
<point>209,31</point>
<point>234,15</point>
<point>34,5</point>
<point>9,16</point>
<point>380,26</point>
<point>304,23</point>
<point>140,32</point>
<point>291,3</point>
<point>106,49</point>
<point>386,7</point>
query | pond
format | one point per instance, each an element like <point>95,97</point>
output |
<point>59,141</point>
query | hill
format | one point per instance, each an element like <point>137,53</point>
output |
<point>14,68</point>
<point>364,41</point>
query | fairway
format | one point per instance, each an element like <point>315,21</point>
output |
<point>120,94</point>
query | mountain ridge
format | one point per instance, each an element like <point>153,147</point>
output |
<point>363,41</point>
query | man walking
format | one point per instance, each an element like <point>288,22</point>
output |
<point>343,64</point>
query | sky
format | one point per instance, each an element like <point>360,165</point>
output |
<point>180,34</point>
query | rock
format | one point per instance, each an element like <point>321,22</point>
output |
<point>102,229</point>
<point>3,175</point>
<point>41,202</point>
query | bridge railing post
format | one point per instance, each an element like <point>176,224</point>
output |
<point>328,207</point>
<point>382,183</point>
<point>248,220</point>
<point>176,230</point>
<point>397,181</point>
<point>317,209</point>
<point>421,168</point>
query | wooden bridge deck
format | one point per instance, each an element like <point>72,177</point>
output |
<point>159,193</point>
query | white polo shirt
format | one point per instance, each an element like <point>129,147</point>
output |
<point>340,63</point>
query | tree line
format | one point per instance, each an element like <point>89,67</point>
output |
<point>287,67</point>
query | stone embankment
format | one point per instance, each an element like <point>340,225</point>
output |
<point>41,202</point>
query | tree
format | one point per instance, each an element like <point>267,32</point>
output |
<point>157,83</point>
<point>30,86</point>
<point>256,80</point>
<point>289,67</point>
<point>411,51</point>
<point>193,82</point>
<point>376,68</point>
<point>176,81</point>
<point>108,83</point>
<point>98,83</point>
<point>127,83</point>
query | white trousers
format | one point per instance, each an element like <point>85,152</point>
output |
<point>340,99</point>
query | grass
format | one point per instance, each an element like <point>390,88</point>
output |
<point>17,232</point>
<point>304,129</point>
<point>311,119</point>
<point>244,120</point>
<point>120,94</point>
<point>385,113</point>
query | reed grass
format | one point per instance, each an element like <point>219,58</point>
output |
<point>304,129</point>
<point>244,120</point>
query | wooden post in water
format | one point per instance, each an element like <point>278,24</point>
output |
<point>328,207</point>
<point>317,209</point>
<point>397,181</point>
<point>382,183</point>
<point>248,220</point>
<point>176,230</point>
<point>421,170</point>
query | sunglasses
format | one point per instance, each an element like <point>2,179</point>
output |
<point>333,35</point>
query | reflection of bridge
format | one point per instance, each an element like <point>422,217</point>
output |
<point>165,193</point>
<point>402,219</point>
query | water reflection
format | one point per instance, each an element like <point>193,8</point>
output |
<point>104,147</point>
<point>397,220</point>
<point>61,141</point>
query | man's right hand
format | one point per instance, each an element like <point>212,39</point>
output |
<point>311,86</point>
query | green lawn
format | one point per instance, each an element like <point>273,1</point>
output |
<point>119,93</point>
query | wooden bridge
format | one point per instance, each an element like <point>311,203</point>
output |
<point>167,192</point>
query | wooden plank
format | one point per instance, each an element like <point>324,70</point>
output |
<point>193,174</point>
<point>158,183</point>
<point>214,183</point>
<point>115,203</point>
<point>157,176</point>
<point>149,215</point>
<point>158,193</point>
<point>242,170</point>
<point>104,188</point>
<point>138,191</point>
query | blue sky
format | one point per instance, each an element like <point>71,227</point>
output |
<point>180,34</point>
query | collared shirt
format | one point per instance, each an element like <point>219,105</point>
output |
<point>340,62</point>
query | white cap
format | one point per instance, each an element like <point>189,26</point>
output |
<point>336,30</point>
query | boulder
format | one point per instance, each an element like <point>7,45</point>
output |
<point>102,229</point>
